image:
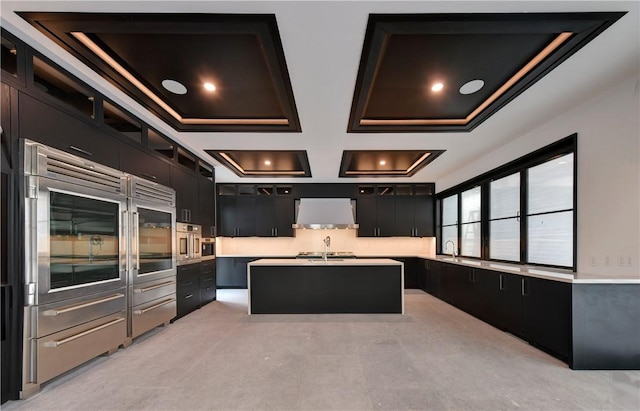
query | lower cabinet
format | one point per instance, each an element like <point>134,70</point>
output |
<point>188,288</point>
<point>196,286</point>
<point>231,272</point>
<point>535,309</point>
<point>208,282</point>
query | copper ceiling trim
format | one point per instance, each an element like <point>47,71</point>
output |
<point>533,63</point>
<point>301,169</point>
<point>111,62</point>
<point>426,157</point>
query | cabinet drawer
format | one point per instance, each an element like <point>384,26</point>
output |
<point>188,278</point>
<point>67,349</point>
<point>188,302</point>
<point>70,313</point>
<point>152,314</point>
<point>152,290</point>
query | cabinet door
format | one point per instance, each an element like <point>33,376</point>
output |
<point>367,216</point>
<point>186,186</point>
<point>143,164</point>
<point>510,302</point>
<point>285,216</point>
<point>208,282</point>
<point>48,125</point>
<point>404,224</point>
<point>224,272</point>
<point>265,216</point>
<point>207,208</point>
<point>246,216</point>
<point>227,216</point>
<point>423,216</point>
<point>547,315</point>
<point>486,291</point>
<point>386,216</point>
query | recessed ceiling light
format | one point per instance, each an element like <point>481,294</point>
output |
<point>267,162</point>
<point>382,162</point>
<point>471,87</point>
<point>209,87</point>
<point>437,87</point>
<point>174,87</point>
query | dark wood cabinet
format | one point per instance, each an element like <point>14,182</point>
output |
<point>231,272</point>
<point>187,288</point>
<point>395,210</point>
<point>535,309</point>
<point>50,126</point>
<point>136,160</point>
<point>207,207</point>
<point>546,315</point>
<point>207,282</point>
<point>186,186</point>
<point>248,210</point>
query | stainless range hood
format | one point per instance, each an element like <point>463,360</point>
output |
<point>318,213</point>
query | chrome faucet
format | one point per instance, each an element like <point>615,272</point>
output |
<point>453,248</point>
<point>327,245</point>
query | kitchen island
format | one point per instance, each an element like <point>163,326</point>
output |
<point>304,286</point>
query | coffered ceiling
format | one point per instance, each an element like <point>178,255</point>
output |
<point>312,78</point>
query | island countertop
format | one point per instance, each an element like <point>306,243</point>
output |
<point>320,261</point>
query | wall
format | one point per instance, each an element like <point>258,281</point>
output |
<point>608,128</point>
<point>311,240</point>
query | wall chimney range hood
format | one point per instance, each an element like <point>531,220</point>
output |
<point>325,213</point>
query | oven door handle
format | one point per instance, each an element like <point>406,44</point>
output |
<point>153,287</point>
<point>153,307</point>
<point>53,313</point>
<point>54,344</point>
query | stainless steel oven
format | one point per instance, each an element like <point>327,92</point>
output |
<point>152,252</point>
<point>188,238</point>
<point>208,251</point>
<point>75,261</point>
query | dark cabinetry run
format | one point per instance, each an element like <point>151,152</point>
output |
<point>535,309</point>
<point>48,125</point>
<point>231,272</point>
<point>246,210</point>
<point>396,210</point>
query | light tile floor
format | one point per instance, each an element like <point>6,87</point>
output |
<point>433,358</point>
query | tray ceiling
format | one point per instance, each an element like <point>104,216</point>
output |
<point>321,53</point>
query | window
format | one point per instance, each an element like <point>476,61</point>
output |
<point>522,212</point>
<point>550,212</point>
<point>450,223</point>
<point>118,120</point>
<point>504,218</point>
<point>470,230</point>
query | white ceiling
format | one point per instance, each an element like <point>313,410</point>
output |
<point>322,43</point>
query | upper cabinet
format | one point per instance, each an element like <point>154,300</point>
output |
<point>386,210</point>
<point>246,210</point>
<point>206,199</point>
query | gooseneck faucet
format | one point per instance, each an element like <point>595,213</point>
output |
<point>453,248</point>
<point>327,245</point>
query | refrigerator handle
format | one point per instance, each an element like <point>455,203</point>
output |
<point>123,237</point>
<point>136,238</point>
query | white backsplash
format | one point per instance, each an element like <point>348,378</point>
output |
<point>311,240</point>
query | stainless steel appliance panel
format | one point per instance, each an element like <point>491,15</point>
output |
<point>79,242</point>
<point>59,316</point>
<point>64,350</point>
<point>151,290</point>
<point>153,227</point>
<point>208,251</point>
<point>149,315</point>
<point>188,243</point>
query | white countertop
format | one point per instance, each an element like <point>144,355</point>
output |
<point>322,262</point>
<point>566,276</point>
